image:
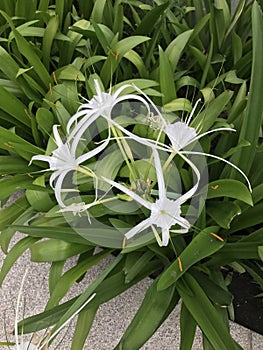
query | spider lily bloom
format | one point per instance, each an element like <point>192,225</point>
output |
<point>164,212</point>
<point>182,135</point>
<point>62,161</point>
<point>100,105</point>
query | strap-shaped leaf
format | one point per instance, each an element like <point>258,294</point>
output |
<point>148,318</point>
<point>18,249</point>
<point>204,244</point>
<point>71,276</point>
<point>29,53</point>
<point>223,212</point>
<point>55,250</point>
<point>187,329</point>
<point>205,314</point>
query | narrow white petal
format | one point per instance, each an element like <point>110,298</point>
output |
<point>41,157</point>
<point>138,228</point>
<point>128,192</point>
<point>192,191</point>
<point>53,178</point>
<point>98,90</point>
<point>165,236</point>
<point>76,116</point>
<point>159,173</point>
<point>82,127</point>
<point>223,160</point>
<point>117,93</point>
<point>57,136</point>
<point>192,112</point>
<point>211,131</point>
<point>93,152</point>
<point>58,187</point>
<point>133,97</point>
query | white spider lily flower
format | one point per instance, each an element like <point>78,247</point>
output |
<point>101,104</point>
<point>164,212</point>
<point>62,161</point>
<point>182,135</point>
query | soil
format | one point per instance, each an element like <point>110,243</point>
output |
<point>247,305</point>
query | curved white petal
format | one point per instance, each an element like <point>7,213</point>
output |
<point>57,136</point>
<point>188,120</point>
<point>130,193</point>
<point>138,228</point>
<point>117,93</point>
<point>41,157</point>
<point>133,97</point>
<point>93,152</point>
<point>58,187</point>
<point>192,191</point>
<point>165,237</point>
<point>82,126</point>
<point>75,117</point>
<point>224,160</point>
<point>159,174</point>
<point>211,131</point>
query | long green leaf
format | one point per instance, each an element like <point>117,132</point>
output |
<point>18,249</point>
<point>223,213</point>
<point>148,317</point>
<point>166,78</point>
<point>48,38</point>
<point>204,244</point>
<point>229,188</point>
<point>149,20</point>
<point>88,292</point>
<point>205,313</point>
<point>71,276</point>
<point>175,49</point>
<point>29,53</point>
<point>13,106</point>
<point>212,111</point>
<point>55,250</point>
<point>83,326</point>
<point>187,329</point>
<point>8,233</point>
<point>249,218</point>
<point>253,117</point>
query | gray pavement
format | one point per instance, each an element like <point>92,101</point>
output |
<point>111,320</point>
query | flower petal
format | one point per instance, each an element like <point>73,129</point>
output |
<point>159,174</point>
<point>57,136</point>
<point>124,189</point>
<point>165,236</point>
<point>223,160</point>
<point>138,228</point>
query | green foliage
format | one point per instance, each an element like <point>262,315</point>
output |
<point>50,53</point>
